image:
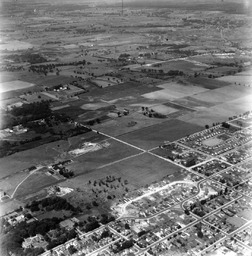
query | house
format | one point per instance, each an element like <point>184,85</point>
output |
<point>34,242</point>
<point>67,224</point>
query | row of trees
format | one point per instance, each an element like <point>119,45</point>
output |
<point>45,68</point>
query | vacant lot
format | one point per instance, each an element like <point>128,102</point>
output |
<point>153,136</point>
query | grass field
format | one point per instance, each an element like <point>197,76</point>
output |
<point>11,182</point>
<point>153,136</point>
<point>139,171</point>
<point>34,183</point>
<point>213,96</point>
<point>123,125</point>
<point>165,110</point>
<point>44,154</point>
<point>194,103</point>
<point>186,89</point>
<point>116,151</point>
<point>183,65</point>
<point>94,106</point>
<point>238,79</point>
<point>14,85</point>
<point>10,206</point>
<point>218,113</point>
<point>207,82</point>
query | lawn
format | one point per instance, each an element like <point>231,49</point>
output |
<point>155,135</point>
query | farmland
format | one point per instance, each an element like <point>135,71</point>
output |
<point>14,85</point>
<point>151,137</point>
<point>126,130</point>
<point>132,169</point>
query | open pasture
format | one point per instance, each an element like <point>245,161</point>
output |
<point>245,80</point>
<point>155,135</point>
<point>6,76</point>
<point>126,124</point>
<point>162,109</point>
<point>104,83</point>
<point>165,94</point>
<point>181,65</point>
<point>38,97</point>
<point>221,95</point>
<point>44,154</point>
<point>217,58</point>
<point>15,45</point>
<point>105,156</point>
<point>34,183</point>
<point>139,171</point>
<point>50,81</point>
<point>95,106</point>
<point>9,206</point>
<point>9,183</point>
<point>186,89</point>
<point>113,93</point>
<point>14,85</point>
<point>207,82</point>
<point>219,113</point>
<point>194,103</point>
<point>172,91</point>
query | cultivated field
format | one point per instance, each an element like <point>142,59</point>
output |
<point>207,82</point>
<point>185,89</point>
<point>245,80</point>
<point>155,135</point>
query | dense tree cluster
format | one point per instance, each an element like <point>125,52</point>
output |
<point>32,58</point>
<point>32,111</point>
<point>60,238</point>
<point>52,203</point>
<point>122,246</point>
<point>46,68</point>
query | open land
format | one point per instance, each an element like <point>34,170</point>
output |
<point>127,131</point>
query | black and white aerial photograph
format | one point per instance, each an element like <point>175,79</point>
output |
<point>126,127</point>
